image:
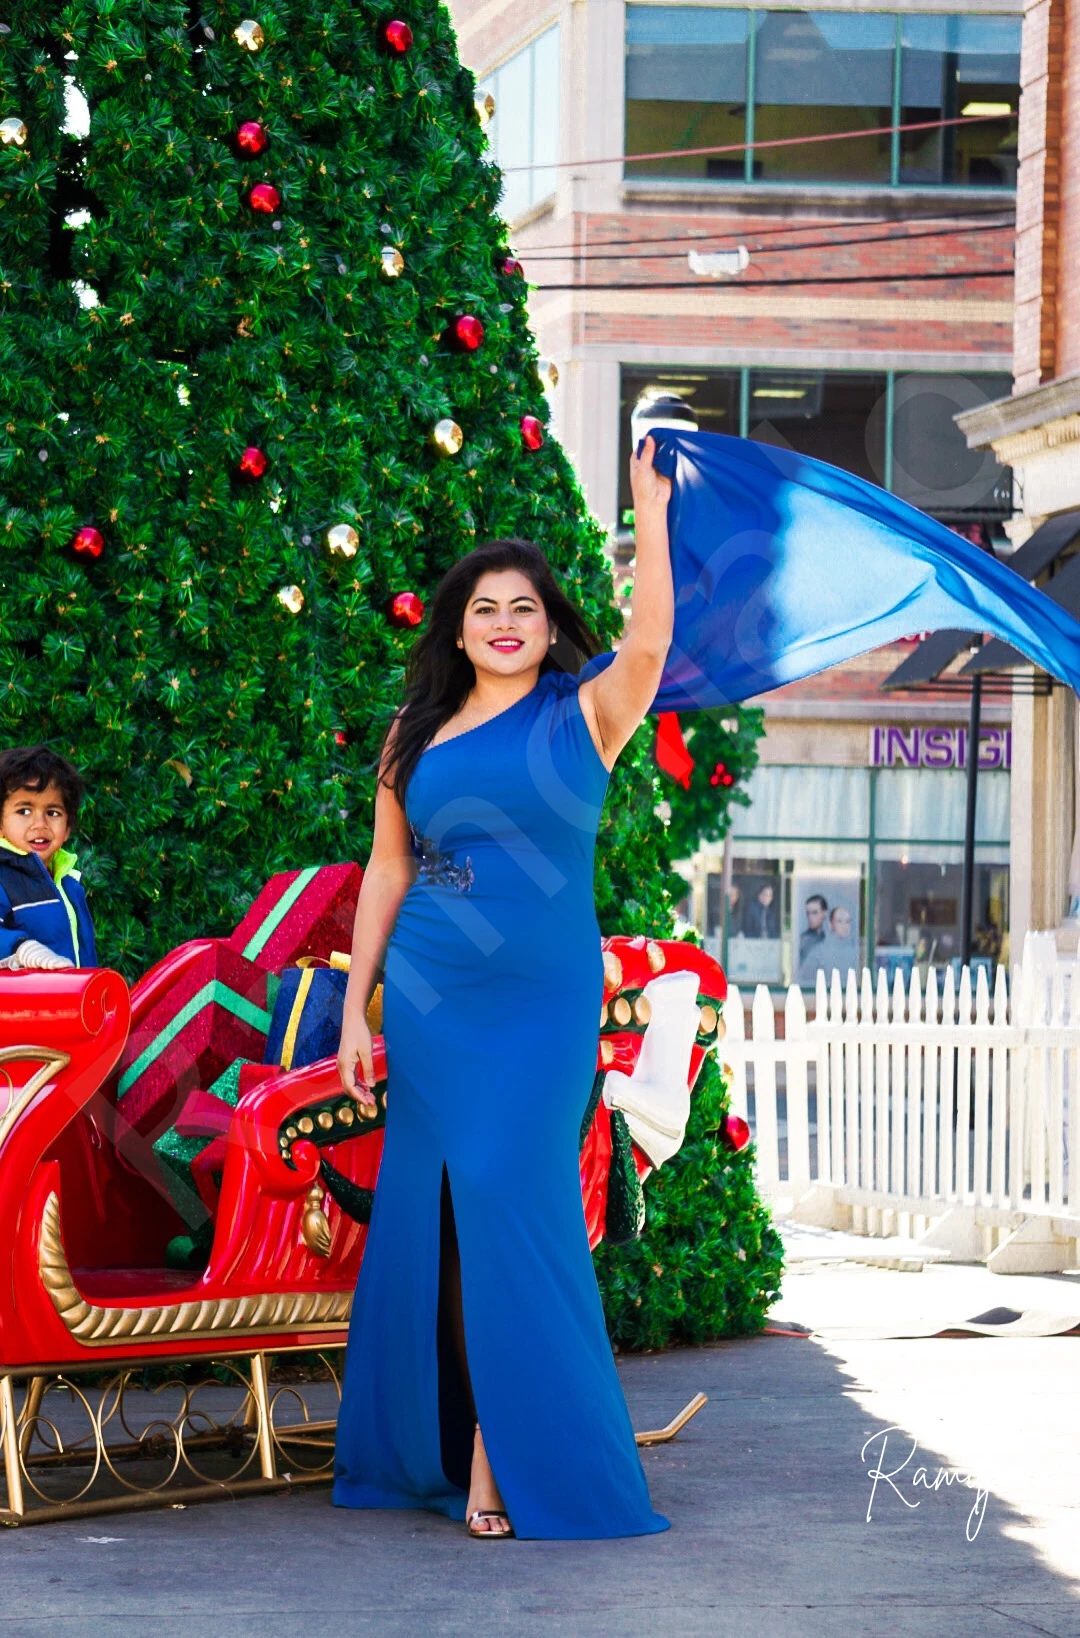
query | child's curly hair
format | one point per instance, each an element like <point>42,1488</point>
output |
<point>34,768</point>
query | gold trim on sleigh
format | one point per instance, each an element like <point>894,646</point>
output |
<point>96,1325</point>
<point>51,1064</point>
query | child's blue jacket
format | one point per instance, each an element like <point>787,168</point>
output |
<point>46,904</point>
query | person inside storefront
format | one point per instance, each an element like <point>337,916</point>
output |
<point>840,948</point>
<point>813,934</point>
<point>761,918</point>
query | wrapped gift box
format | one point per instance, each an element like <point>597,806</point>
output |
<point>217,1011</point>
<point>306,1025</point>
<point>300,913</point>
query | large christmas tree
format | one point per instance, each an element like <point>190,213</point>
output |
<point>265,372</point>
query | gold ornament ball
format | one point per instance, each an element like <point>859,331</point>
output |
<point>447,436</point>
<point>13,133</point>
<point>548,371</point>
<point>393,262</point>
<point>342,540</point>
<point>291,598</point>
<point>485,109</point>
<point>249,34</point>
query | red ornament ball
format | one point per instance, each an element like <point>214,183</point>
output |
<point>251,138</point>
<point>397,36</point>
<point>511,267</point>
<point>253,463</point>
<point>340,737</point>
<point>265,198</point>
<point>467,333</point>
<point>532,433</point>
<point>735,1133</point>
<point>406,610</point>
<point>89,542</point>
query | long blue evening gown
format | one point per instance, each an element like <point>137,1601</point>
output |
<point>491,1007</point>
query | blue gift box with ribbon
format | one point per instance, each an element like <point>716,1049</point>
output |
<point>306,1022</point>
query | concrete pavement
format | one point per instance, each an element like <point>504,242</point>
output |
<point>767,1490</point>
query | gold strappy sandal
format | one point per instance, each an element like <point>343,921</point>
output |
<point>489,1535</point>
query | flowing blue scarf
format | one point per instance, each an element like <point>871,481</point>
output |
<point>784,566</point>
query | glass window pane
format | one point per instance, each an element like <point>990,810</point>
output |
<point>932,465</point>
<point>713,395</point>
<point>545,113</point>
<point>928,804</point>
<point>513,131</point>
<point>950,65</point>
<point>819,72</point>
<point>837,418</point>
<point>808,802</point>
<point>918,913</point>
<point>685,87</point>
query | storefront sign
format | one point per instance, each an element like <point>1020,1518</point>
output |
<point>937,747</point>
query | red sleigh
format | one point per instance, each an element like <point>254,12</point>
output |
<point>90,1075</point>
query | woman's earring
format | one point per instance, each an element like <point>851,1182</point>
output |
<point>460,644</point>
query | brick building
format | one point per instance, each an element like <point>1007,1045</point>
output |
<point>1037,430</point>
<point>844,297</point>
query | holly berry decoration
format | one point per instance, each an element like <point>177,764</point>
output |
<point>466,333</point>
<point>397,36</point>
<point>265,198</point>
<point>735,1134</point>
<point>252,137</point>
<point>88,542</point>
<point>405,611</point>
<point>252,464</point>
<point>721,775</point>
<point>511,267</point>
<point>532,433</point>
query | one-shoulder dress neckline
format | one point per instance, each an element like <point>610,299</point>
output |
<point>478,725</point>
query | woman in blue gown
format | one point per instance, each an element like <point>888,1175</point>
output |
<point>479,1379</point>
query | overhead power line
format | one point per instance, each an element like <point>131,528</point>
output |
<point>769,142</point>
<point>807,279</point>
<point>784,250</point>
<point>697,241</point>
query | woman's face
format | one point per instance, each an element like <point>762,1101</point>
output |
<point>505,629</point>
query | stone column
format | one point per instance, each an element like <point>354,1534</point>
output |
<point>1043,811</point>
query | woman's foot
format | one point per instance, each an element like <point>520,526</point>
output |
<point>485,1512</point>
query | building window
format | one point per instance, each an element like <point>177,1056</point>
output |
<point>703,77</point>
<point>686,87</point>
<point>950,66</point>
<point>821,71</point>
<point>525,129</point>
<point>894,428</point>
<point>845,867</point>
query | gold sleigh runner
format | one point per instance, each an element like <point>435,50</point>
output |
<point>95,1323</point>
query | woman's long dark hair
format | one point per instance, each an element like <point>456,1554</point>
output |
<point>440,675</point>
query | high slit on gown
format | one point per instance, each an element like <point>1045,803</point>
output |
<point>492,991</point>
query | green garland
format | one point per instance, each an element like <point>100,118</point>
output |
<point>709,1261</point>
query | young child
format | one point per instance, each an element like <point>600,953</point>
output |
<point>44,917</point>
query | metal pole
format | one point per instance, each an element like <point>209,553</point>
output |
<point>967,897</point>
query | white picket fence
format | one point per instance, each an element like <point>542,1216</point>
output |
<point>946,1117</point>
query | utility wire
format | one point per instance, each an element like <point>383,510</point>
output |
<point>785,250</point>
<point>807,279</point>
<point>696,240</point>
<point>769,142</point>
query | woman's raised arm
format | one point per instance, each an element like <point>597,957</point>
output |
<point>614,703</point>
